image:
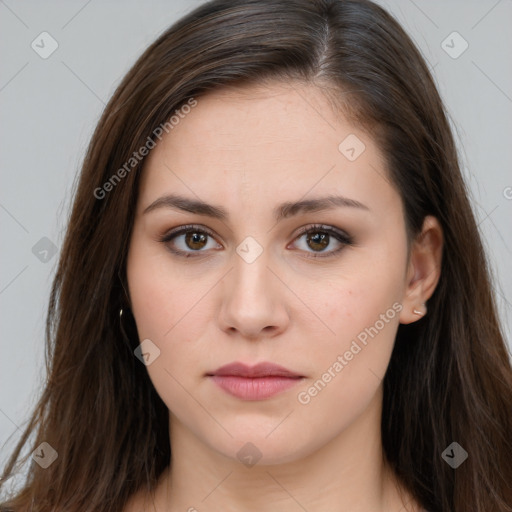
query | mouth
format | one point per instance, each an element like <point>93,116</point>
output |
<point>258,382</point>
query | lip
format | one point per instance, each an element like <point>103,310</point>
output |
<point>259,370</point>
<point>258,382</point>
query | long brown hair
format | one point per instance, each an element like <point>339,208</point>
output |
<point>450,377</point>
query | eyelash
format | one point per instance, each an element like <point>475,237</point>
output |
<point>340,236</point>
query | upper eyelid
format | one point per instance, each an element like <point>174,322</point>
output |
<point>304,229</point>
<point>332,230</point>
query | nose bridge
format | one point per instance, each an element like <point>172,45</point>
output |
<point>251,300</point>
<point>251,276</point>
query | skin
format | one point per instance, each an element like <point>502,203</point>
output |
<point>249,149</point>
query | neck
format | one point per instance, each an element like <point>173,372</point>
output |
<point>348,473</point>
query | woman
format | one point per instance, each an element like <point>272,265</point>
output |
<point>272,294</point>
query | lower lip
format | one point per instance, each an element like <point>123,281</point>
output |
<point>257,388</point>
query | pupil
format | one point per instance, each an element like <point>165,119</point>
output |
<point>196,238</point>
<point>319,239</point>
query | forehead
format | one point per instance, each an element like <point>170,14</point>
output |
<point>242,117</point>
<point>278,139</point>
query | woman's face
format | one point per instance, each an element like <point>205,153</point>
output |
<point>251,286</point>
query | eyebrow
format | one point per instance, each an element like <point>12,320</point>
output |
<point>282,211</point>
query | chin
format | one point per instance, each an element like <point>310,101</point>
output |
<point>255,447</point>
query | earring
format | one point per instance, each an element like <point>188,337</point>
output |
<point>420,313</point>
<point>123,313</point>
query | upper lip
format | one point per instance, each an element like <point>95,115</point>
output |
<point>260,370</point>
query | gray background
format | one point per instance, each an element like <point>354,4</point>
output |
<point>49,108</point>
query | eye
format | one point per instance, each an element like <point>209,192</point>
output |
<point>318,237</point>
<point>195,238</point>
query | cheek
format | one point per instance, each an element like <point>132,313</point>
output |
<point>150,306</point>
<point>362,312</point>
<point>350,367</point>
<point>358,302</point>
<point>159,297</point>
<point>168,311</point>
<point>362,343</point>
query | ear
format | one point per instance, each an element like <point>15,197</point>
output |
<point>424,270</point>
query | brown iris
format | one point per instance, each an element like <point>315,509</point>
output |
<point>320,240</point>
<point>193,237</point>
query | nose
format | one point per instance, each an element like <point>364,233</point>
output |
<point>253,300</point>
